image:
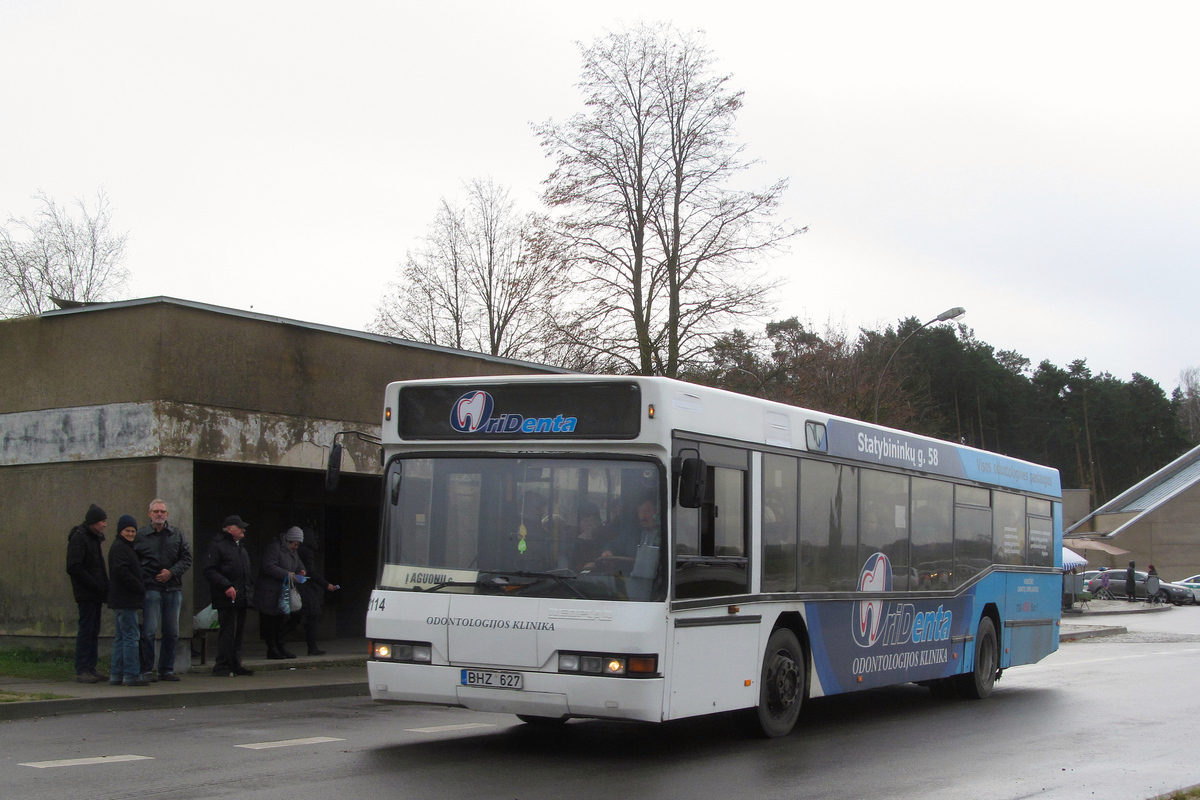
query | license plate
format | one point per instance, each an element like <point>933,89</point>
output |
<point>493,680</point>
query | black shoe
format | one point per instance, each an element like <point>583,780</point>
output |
<point>150,676</point>
<point>285,652</point>
<point>275,655</point>
<point>222,673</point>
<point>168,676</point>
<point>86,677</point>
<point>139,681</point>
<point>99,675</point>
<point>242,671</point>
<point>312,651</point>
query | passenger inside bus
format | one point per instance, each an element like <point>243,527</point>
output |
<point>647,531</point>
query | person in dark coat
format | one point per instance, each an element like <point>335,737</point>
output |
<point>312,592</point>
<point>89,582</point>
<point>280,565</point>
<point>126,593</point>
<point>1130,583</point>
<point>227,570</point>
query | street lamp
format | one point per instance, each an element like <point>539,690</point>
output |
<point>945,316</point>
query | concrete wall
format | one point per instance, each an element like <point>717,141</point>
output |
<point>167,351</point>
<point>41,504</point>
<point>1168,538</point>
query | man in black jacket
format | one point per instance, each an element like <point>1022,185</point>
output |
<point>165,557</point>
<point>89,582</point>
<point>227,570</point>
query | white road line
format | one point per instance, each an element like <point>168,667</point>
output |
<point>289,743</point>
<point>439,728</point>
<point>75,762</point>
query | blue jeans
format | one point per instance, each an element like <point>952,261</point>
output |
<point>161,610</point>
<point>126,658</point>
<point>87,640</point>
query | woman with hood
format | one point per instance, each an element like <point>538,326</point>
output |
<point>280,566</point>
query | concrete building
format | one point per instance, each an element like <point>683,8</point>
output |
<point>1157,522</point>
<point>216,411</point>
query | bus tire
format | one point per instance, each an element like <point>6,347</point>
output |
<point>542,722</point>
<point>982,679</point>
<point>781,684</point>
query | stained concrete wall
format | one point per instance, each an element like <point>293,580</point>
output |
<point>163,350</point>
<point>1168,538</point>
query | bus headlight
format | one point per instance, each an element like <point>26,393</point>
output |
<point>610,664</point>
<point>418,652</point>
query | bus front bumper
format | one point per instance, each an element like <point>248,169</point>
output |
<point>544,694</point>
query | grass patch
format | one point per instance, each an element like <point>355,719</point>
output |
<point>1192,793</point>
<point>12,697</point>
<point>26,662</point>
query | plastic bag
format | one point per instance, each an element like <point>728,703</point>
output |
<point>206,618</point>
<point>289,597</point>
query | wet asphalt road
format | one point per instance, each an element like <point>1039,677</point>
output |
<point>1112,718</point>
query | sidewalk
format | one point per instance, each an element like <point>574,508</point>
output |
<point>1081,623</point>
<point>341,672</point>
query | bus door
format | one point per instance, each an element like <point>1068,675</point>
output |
<point>715,645</point>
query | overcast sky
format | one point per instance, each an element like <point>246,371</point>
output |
<point>1035,162</point>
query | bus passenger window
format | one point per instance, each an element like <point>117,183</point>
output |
<point>780,495</point>
<point>828,527</point>
<point>933,534</point>
<point>883,523</point>
<point>972,532</point>
<point>1008,528</point>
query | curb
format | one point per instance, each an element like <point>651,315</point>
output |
<point>31,709</point>
<point>277,665</point>
<point>1091,633</point>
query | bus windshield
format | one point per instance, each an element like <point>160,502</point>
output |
<point>525,526</point>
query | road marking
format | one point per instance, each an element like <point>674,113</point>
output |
<point>75,762</point>
<point>289,743</point>
<point>439,728</point>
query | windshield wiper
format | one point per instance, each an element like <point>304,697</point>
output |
<point>444,584</point>
<point>563,580</point>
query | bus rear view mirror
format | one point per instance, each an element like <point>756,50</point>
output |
<point>693,476</point>
<point>333,469</point>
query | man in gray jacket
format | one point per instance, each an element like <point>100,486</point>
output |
<point>165,556</point>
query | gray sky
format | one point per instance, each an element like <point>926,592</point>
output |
<point>1034,162</point>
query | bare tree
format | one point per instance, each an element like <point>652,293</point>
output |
<point>1188,399</point>
<point>661,245</point>
<point>57,254</point>
<point>482,281</point>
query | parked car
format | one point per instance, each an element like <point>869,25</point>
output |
<point>1170,592</point>
<point>1192,583</point>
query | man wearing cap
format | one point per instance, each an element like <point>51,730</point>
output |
<point>89,582</point>
<point>165,557</point>
<point>227,570</point>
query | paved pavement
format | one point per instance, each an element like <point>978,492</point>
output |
<point>342,673</point>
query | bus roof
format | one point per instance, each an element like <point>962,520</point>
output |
<point>596,408</point>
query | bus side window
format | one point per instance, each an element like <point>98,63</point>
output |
<point>718,531</point>
<point>780,496</point>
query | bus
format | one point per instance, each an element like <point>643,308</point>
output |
<point>640,548</point>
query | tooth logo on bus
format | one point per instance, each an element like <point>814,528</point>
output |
<point>474,412</point>
<point>867,615</point>
<point>471,412</point>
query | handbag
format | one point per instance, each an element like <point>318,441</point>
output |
<point>293,595</point>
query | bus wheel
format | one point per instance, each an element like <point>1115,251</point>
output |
<point>542,722</point>
<point>982,680</point>
<point>781,685</point>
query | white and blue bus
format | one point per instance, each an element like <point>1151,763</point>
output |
<point>645,549</point>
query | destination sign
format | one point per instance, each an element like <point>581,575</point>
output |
<point>466,411</point>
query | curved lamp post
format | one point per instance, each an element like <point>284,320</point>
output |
<point>945,316</point>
